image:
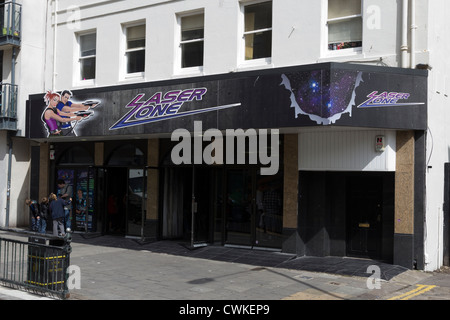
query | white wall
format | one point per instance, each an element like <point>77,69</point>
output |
<point>18,212</point>
<point>299,37</point>
<point>438,140</point>
<point>346,150</point>
<point>20,183</point>
<point>31,62</point>
<point>30,66</point>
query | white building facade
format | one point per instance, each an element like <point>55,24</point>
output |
<point>122,53</point>
<point>22,55</point>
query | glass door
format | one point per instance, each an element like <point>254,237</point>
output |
<point>100,199</point>
<point>202,212</point>
<point>84,198</point>
<point>254,208</point>
<point>136,202</point>
<point>269,211</point>
<point>81,186</point>
<point>239,213</point>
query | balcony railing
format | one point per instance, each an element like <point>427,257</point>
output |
<point>10,24</point>
<point>8,106</point>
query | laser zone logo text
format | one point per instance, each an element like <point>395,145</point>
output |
<point>387,99</point>
<point>163,107</point>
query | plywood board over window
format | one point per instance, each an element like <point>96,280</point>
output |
<point>258,31</point>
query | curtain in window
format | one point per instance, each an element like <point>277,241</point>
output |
<point>345,31</point>
<point>88,45</point>
<point>344,24</point>
<point>192,43</point>
<point>136,37</point>
<point>343,8</point>
<point>136,49</point>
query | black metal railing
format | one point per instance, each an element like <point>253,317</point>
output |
<point>35,262</point>
<point>10,23</point>
<point>8,106</point>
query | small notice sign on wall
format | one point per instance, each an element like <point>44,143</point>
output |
<point>380,143</point>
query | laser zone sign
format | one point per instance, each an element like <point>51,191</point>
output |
<point>163,106</point>
<point>387,99</point>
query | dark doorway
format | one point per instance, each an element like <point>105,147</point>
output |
<point>364,216</point>
<point>116,191</point>
<point>187,204</point>
<point>346,214</point>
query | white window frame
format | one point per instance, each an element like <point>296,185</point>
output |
<point>243,63</point>
<point>125,51</point>
<point>341,52</point>
<point>197,70</point>
<point>78,81</point>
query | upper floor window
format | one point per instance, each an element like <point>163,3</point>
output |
<point>344,24</point>
<point>88,43</point>
<point>192,40</point>
<point>135,49</point>
<point>258,30</point>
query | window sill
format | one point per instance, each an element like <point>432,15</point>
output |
<point>85,83</point>
<point>193,71</point>
<point>255,64</point>
<point>130,77</point>
<point>344,54</point>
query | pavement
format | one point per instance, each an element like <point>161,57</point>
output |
<point>121,269</point>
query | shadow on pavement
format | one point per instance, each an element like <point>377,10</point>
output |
<point>333,265</point>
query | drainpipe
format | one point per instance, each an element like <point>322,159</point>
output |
<point>404,45</point>
<point>413,34</point>
<point>55,22</point>
<point>9,133</point>
<point>8,188</point>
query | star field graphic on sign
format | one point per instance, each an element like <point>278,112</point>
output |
<point>322,95</point>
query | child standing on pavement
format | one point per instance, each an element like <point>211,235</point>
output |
<point>43,214</point>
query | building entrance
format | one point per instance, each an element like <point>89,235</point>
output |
<point>187,204</point>
<point>115,196</point>
<point>253,210</point>
<point>222,205</point>
<point>125,201</point>
<point>82,184</point>
<point>347,214</point>
<point>364,216</point>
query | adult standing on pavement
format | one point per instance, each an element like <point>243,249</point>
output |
<point>34,214</point>
<point>65,192</point>
<point>57,210</point>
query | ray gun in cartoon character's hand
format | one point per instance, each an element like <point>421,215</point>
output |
<point>91,103</point>
<point>87,113</point>
<point>84,114</point>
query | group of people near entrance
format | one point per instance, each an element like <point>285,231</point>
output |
<point>56,207</point>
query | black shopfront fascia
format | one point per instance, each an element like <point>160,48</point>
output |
<point>328,94</point>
